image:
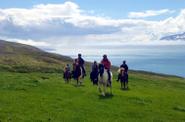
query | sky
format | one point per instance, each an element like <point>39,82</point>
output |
<point>112,8</point>
<point>67,27</point>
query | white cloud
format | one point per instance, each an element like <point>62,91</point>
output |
<point>67,26</point>
<point>149,13</point>
<point>29,42</point>
<point>33,43</point>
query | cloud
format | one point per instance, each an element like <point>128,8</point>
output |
<point>40,44</point>
<point>149,13</point>
<point>61,27</point>
<point>33,43</point>
<point>52,20</point>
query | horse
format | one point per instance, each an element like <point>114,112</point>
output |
<point>103,81</point>
<point>67,76</point>
<point>94,77</point>
<point>123,76</point>
<point>78,75</point>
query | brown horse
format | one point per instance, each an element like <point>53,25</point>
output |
<point>78,74</point>
<point>67,76</point>
<point>123,76</point>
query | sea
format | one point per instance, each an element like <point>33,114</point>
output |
<point>165,59</point>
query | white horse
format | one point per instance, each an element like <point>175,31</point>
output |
<point>103,82</point>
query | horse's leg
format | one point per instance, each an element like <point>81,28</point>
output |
<point>99,87</point>
<point>81,80</point>
<point>69,77</point>
<point>110,87</point>
<point>77,80</point>
<point>104,88</point>
<point>103,91</point>
<point>66,80</point>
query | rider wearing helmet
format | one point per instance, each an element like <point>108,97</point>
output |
<point>75,64</point>
<point>67,68</point>
<point>125,67</point>
<point>107,65</point>
<point>94,73</point>
<point>81,62</point>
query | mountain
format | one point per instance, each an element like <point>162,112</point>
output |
<point>25,58</point>
<point>174,37</point>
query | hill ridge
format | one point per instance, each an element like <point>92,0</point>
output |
<point>25,58</point>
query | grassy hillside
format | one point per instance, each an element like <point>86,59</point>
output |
<point>45,97</point>
<point>24,58</point>
<point>41,96</point>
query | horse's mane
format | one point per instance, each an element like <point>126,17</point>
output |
<point>101,69</point>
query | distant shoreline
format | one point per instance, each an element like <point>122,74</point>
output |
<point>141,71</point>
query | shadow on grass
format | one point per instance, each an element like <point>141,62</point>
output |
<point>125,89</point>
<point>44,77</point>
<point>107,96</point>
<point>179,108</point>
<point>75,85</point>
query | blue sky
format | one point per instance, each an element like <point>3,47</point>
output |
<point>111,8</point>
<point>85,24</point>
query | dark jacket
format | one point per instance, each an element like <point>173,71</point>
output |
<point>81,61</point>
<point>125,67</point>
<point>94,68</point>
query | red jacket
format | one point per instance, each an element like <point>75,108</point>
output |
<point>106,63</point>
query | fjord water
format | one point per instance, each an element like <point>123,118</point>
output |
<point>160,59</point>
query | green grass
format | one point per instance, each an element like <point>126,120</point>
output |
<point>45,97</point>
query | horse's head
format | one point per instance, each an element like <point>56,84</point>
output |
<point>101,69</point>
<point>122,71</point>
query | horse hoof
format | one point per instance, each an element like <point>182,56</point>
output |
<point>99,90</point>
<point>103,94</point>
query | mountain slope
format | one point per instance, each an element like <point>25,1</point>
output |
<point>174,37</point>
<point>24,58</point>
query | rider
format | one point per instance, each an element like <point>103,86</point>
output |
<point>107,65</point>
<point>75,63</point>
<point>66,69</point>
<point>81,62</point>
<point>95,67</point>
<point>124,65</point>
<point>94,70</point>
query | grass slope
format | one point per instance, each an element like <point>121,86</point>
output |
<point>45,97</point>
<point>24,58</point>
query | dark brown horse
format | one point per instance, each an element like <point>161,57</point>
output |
<point>123,76</point>
<point>67,76</point>
<point>78,74</point>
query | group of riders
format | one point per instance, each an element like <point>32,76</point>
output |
<point>97,69</point>
<point>78,68</point>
